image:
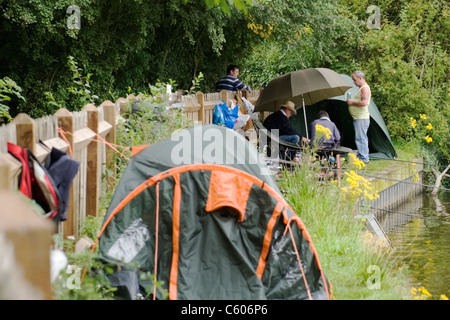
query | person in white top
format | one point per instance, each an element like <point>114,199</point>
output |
<point>358,107</point>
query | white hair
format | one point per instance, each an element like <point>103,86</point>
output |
<point>359,74</point>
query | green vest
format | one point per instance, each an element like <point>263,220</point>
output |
<point>358,112</point>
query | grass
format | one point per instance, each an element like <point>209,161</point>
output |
<point>357,264</point>
<point>406,151</point>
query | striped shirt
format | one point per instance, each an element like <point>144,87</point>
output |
<point>230,83</point>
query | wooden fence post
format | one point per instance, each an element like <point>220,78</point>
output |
<point>5,181</point>
<point>123,105</point>
<point>201,111</point>
<point>30,236</point>
<point>10,169</point>
<point>224,96</point>
<point>92,169</point>
<point>131,98</point>
<point>244,93</point>
<point>26,132</point>
<point>109,111</point>
<point>66,123</point>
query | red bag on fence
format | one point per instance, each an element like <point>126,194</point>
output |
<point>36,183</point>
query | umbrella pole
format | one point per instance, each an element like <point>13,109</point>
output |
<point>304,116</point>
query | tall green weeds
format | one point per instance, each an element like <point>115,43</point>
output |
<point>356,263</point>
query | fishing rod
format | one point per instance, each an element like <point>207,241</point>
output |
<point>392,179</point>
<point>394,211</point>
<point>400,160</point>
<point>404,181</point>
<point>275,160</point>
<point>417,214</point>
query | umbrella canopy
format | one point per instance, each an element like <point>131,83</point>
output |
<point>303,87</point>
<point>380,143</point>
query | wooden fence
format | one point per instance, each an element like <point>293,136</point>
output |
<point>200,107</point>
<point>84,135</point>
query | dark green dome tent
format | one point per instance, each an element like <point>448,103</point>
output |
<point>380,144</point>
<point>205,210</point>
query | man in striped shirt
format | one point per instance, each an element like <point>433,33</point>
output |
<point>231,82</point>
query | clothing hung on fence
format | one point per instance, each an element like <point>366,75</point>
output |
<point>47,184</point>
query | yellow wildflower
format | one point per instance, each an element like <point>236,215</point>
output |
<point>358,185</point>
<point>444,297</point>
<point>420,294</point>
<point>360,164</point>
<point>324,131</point>
<point>423,116</point>
<point>428,139</point>
<point>429,126</point>
<point>425,292</point>
<point>413,122</point>
<point>357,162</point>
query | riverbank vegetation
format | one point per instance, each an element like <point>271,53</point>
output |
<point>356,261</point>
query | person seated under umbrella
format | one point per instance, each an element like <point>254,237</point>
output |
<point>280,120</point>
<point>326,132</point>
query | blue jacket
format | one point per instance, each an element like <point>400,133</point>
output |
<point>63,169</point>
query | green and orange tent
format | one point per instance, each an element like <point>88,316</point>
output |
<point>202,212</point>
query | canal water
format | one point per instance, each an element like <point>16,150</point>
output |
<point>419,232</point>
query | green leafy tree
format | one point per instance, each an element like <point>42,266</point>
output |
<point>227,5</point>
<point>295,35</point>
<point>407,64</point>
<point>8,89</point>
<point>120,44</point>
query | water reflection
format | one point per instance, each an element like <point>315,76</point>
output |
<point>419,232</point>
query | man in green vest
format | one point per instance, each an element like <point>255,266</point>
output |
<point>358,107</point>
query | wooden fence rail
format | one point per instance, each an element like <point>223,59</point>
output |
<point>84,135</point>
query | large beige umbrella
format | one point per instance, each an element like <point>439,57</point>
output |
<point>303,87</point>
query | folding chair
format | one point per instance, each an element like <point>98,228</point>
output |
<point>286,150</point>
